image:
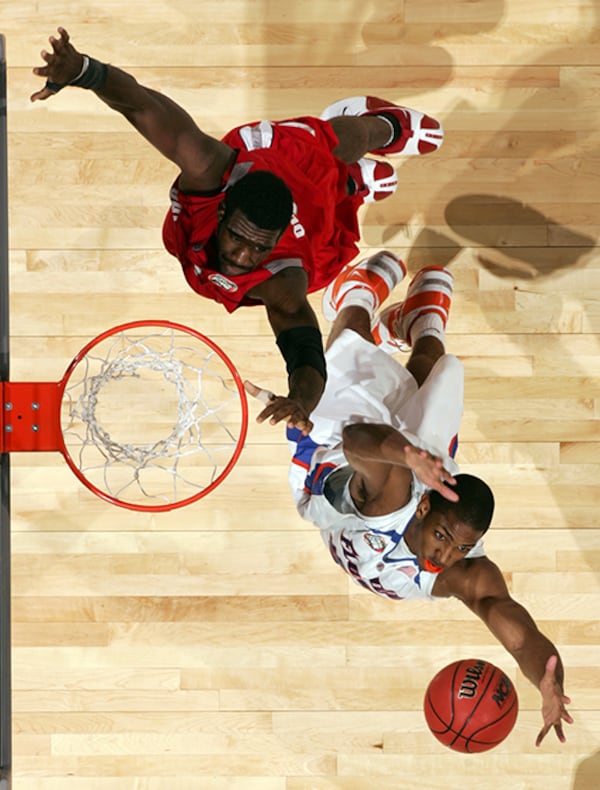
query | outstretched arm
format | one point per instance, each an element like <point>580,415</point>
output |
<point>296,328</point>
<point>484,591</point>
<point>167,126</point>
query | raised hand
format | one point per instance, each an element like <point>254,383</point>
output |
<point>430,470</point>
<point>280,408</point>
<point>553,703</point>
<point>63,65</point>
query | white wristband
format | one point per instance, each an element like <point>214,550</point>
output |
<point>84,68</point>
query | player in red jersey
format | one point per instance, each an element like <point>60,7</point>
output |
<point>268,213</point>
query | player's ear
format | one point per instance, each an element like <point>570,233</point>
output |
<point>423,507</point>
<point>221,208</point>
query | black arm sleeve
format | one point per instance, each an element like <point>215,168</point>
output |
<point>301,346</point>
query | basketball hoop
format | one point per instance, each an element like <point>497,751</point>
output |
<point>150,415</point>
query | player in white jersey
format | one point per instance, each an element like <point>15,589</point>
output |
<point>376,473</point>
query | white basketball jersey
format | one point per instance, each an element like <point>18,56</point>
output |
<point>367,385</point>
<point>371,549</point>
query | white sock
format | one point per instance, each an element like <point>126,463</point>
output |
<point>358,296</point>
<point>429,324</point>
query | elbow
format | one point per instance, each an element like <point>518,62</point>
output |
<point>516,644</point>
<point>351,433</point>
<point>357,438</point>
<point>348,434</point>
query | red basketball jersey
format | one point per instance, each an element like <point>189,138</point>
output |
<point>323,232</point>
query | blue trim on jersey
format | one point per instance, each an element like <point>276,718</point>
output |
<point>453,446</point>
<point>315,481</point>
<point>305,447</point>
<point>395,538</point>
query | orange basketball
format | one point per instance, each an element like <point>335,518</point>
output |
<point>471,705</point>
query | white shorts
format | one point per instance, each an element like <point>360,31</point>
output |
<point>366,384</point>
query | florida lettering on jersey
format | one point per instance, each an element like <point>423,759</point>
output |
<point>371,549</point>
<point>395,577</point>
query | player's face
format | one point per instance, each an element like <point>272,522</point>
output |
<point>241,245</point>
<point>439,539</point>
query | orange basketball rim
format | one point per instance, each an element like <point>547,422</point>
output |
<point>149,415</point>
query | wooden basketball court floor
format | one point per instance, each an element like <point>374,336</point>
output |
<point>218,647</point>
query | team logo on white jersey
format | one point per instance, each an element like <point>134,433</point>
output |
<point>223,282</point>
<point>375,542</point>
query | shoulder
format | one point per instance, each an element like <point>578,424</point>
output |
<point>471,580</point>
<point>208,172</point>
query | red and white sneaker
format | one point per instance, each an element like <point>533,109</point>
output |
<point>414,132</point>
<point>379,274</point>
<point>374,179</point>
<point>430,292</point>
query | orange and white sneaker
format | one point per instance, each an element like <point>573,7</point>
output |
<point>412,133</point>
<point>374,179</point>
<point>429,294</point>
<point>370,280</point>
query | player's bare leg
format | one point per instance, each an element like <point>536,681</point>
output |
<point>356,318</point>
<point>426,352</point>
<point>398,130</point>
<point>357,136</point>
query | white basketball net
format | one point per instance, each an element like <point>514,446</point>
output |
<point>151,416</point>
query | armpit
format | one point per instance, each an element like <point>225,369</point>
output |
<point>283,263</point>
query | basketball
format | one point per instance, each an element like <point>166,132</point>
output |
<point>471,705</point>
